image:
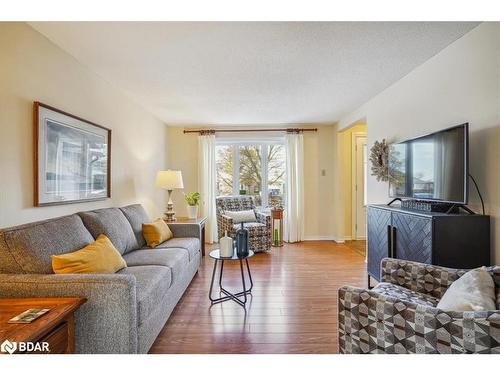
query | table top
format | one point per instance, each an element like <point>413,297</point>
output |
<point>216,255</point>
<point>10,307</point>
<point>186,220</point>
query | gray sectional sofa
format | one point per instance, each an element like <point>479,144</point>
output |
<point>124,312</point>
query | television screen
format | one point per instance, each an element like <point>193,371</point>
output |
<point>432,167</point>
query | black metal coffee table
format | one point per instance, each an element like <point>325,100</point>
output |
<point>228,295</point>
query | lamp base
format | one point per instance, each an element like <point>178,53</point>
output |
<point>170,213</point>
<point>169,217</point>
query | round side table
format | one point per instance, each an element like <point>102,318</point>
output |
<point>215,254</point>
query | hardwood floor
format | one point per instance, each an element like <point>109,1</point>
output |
<point>358,245</point>
<point>293,307</point>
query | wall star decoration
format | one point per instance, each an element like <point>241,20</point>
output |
<point>379,158</point>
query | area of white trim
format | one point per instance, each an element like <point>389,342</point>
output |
<point>322,238</point>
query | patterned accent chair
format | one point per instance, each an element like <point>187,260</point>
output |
<point>259,232</point>
<point>399,315</point>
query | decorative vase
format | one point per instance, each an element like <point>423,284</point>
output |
<point>192,212</point>
<point>226,246</point>
<point>242,242</point>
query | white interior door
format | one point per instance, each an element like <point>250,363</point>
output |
<point>360,171</point>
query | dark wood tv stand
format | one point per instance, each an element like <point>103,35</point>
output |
<point>455,240</point>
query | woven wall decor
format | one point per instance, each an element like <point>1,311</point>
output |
<point>379,158</point>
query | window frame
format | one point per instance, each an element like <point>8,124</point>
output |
<point>264,145</point>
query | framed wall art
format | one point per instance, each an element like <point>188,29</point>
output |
<point>72,158</point>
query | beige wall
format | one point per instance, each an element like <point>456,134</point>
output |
<point>183,156</point>
<point>345,180</point>
<point>460,84</point>
<point>319,190</point>
<point>34,69</point>
<point>319,154</point>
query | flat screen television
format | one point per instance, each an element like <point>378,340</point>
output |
<point>432,167</point>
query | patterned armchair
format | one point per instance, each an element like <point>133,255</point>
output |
<point>399,315</point>
<point>259,232</point>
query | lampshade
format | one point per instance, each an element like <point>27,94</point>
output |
<point>169,180</point>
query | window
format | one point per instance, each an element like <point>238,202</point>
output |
<point>224,166</point>
<point>253,168</point>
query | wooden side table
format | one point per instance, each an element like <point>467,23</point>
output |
<point>56,327</point>
<point>277,226</point>
<point>200,221</point>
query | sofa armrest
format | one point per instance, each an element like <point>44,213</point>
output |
<point>106,323</point>
<point>419,277</point>
<point>370,322</point>
<point>185,230</point>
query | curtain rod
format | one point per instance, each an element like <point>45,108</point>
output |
<point>213,131</point>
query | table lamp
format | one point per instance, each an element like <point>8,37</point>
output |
<point>169,180</point>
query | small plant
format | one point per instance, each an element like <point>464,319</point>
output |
<point>193,198</point>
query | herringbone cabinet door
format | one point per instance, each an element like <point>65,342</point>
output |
<point>378,241</point>
<point>413,237</point>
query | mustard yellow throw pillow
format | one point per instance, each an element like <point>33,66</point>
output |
<point>97,257</point>
<point>156,232</point>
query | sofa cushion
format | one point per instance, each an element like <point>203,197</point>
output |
<point>112,223</point>
<point>152,283</point>
<point>191,244</point>
<point>31,245</point>
<point>396,291</point>
<point>175,259</point>
<point>136,216</point>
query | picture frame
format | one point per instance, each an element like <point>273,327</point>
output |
<point>72,158</point>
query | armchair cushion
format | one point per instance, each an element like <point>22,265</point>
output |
<point>244,216</point>
<point>250,226</point>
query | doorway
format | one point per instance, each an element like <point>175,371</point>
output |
<point>359,189</point>
<point>352,181</point>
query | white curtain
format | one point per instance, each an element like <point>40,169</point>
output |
<point>294,212</point>
<point>207,184</point>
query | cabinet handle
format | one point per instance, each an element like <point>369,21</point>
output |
<point>389,241</point>
<point>394,255</point>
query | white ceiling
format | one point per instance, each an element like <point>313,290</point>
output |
<point>252,72</point>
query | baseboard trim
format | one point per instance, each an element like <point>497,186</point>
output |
<point>323,238</point>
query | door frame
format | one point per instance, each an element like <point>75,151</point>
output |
<point>354,138</point>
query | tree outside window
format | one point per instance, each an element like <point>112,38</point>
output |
<point>257,170</point>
